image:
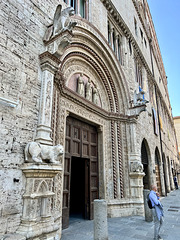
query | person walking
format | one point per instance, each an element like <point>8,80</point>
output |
<point>175,182</point>
<point>157,211</point>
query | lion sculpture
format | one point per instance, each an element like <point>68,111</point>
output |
<point>136,167</point>
<point>61,22</point>
<point>35,152</point>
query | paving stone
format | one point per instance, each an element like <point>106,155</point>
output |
<point>132,227</point>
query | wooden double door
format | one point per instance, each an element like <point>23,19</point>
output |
<point>80,170</point>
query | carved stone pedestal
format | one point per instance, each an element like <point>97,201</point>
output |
<point>136,182</point>
<point>38,206</point>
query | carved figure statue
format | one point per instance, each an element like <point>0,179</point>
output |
<point>139,98</point>
<point>61,22</point>
<point>35,152</point>
<point>95,95</point>
<point>136,167</point>
<point>89,90</point>
<point>80,86</point>
<point>62,19</point>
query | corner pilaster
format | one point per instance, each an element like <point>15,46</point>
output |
<point>49,66</point>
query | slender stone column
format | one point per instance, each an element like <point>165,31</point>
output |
<point>167,176</point>
<point>87,9</point>
<point>111,36</point>
<point>124,59</point>
<point>48,67</point>
<point>116,43</point>
<point>100,220</point>
<point>136,170</point>
<point>144,79</point>
<point>78,7</point>
<point>162,179</point>
<point>147,210</point>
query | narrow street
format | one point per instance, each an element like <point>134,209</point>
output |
<point>133,227</point>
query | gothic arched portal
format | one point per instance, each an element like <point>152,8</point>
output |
<point>157,169</point>
<point>145,162</point>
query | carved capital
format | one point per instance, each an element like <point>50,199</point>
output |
<point>49,62</point>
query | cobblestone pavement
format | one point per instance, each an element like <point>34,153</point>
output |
<point>133,227</point>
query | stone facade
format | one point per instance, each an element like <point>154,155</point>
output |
<point>102,66</point>
<point>177,128</point>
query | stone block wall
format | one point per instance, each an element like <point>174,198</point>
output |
<point>22,24</point>
<point>22,28</point>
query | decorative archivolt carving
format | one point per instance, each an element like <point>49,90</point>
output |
<point>105,78</point>
<point>113,138</point>
<point>120,159</point>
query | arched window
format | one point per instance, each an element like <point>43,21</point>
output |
<point>138,73</point>
<point>80,7</point>
<point>73,4</point>
<point>114,41</point>
<point>157,170</point>
<point>109,34</point>
<point>130,47</point>
<point>145,162</point>
<point>119,50</point>
<point>155,123</point>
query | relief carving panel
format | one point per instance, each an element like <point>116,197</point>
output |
<point>93,87</point>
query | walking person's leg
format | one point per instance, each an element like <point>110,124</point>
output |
<point>160,225</point>
<point>156,224</point>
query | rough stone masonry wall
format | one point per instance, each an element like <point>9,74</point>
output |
<point>22,27</point>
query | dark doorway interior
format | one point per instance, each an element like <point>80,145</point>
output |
<point>144,160</point>
<point>80,170</point>
<point>77,189</point>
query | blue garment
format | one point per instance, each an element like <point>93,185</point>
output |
<point>140,90</point>
<point>154,198</point>
<point>156,204</point>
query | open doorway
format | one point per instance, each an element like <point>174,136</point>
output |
<point>79,190</point>
<point>81,182</point>
<point>145,162</point>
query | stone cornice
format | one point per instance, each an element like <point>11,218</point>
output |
<point>49,58</point>
<point>145,25</point>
